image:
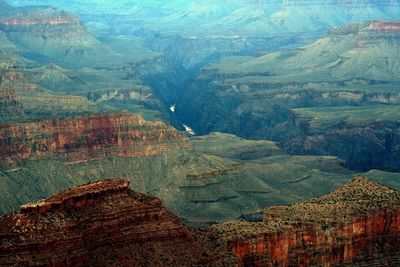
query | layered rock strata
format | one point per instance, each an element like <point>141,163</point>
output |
<point>357,223</point>
<point>99,224</point>
<point>49,22</point>
<point>256,97</point>
<point>84,138</point>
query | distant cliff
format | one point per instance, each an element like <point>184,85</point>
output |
<point>366,137</point>
<point>352,66</point>
<point>56,34</point>
<point>83,138</point>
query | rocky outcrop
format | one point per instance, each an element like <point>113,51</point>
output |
<point>9,106</point>
<point>106,224</point>
<point>359,222</point>
<point>255,97</point>
<point>27,22</point>
<point>84,138</point>
<point>37,100</point>
<point>98,224</point>
<point>78,197</point>
<point>364,143</point>
<point>54,34</point>
<point>386,26</point>
<point>49,21</point>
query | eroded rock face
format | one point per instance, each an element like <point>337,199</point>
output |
<point>83,138</point>
<point>50,22</point>
<point>255,98</point>
<point>357,223</point>
<point>54,34</point>
<point>9,106</point>
<point>99,224</point>
<point>363,144</point>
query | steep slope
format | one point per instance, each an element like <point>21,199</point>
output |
<point>9,50</point>
<point>39,161</point>
<point>103,223</point>
<point>54,34</point>
<point>369,49</point>
<point>253,96</point>
<point>211,183</point>
<point>366,136</point>
<point>55,51</point>
<point>36,102</point>
<point>356,225</point>
<point>10,108</point>
<point>211,29</point>
<point>84,138</point>
<point>109,89</point>
<point>240,17</point>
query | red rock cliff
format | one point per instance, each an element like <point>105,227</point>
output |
<point>385,26</point>
<point>83,138</point>
<point>359,223</point>
<point>25,22</point>
<point>99,224</point>
<point>37,16</point>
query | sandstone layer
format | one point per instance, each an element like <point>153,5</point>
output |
<point>98,224</point>
<point>84,138</point>
<point>356,224</point>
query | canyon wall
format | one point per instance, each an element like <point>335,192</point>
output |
<point>364,143</point>
<point>84,138</point>
<point>9,105</point>
<point>258,97</point>
<point>49,22</point>
<point>99,224</point>
<point>52,34</point>
<point>359,222</point>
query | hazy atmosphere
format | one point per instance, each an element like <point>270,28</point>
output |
<point>200,133</point>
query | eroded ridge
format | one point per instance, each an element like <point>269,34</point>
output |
<point>98,224</point>
<point>79,196</point>
<point>88,137</point>
<point>357,223</point>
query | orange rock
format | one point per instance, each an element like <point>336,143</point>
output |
<point>83,138</point>
<point>99,224</point>
<point>356,223</point>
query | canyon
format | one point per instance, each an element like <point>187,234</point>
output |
<point>363,141</point>
<point>282,102</point>
<point>102,223</point>
<point>203,180</point>
<point>84,138</point>
<point>261,97</point>
<point>355,225</point>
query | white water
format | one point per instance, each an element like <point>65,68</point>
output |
<point>189,130</point>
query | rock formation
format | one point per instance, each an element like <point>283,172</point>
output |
<point>50,22</point>
<point>256,97</point>
<point>9,105</point>
<point>365,141</point>
<point>98,224</point>
<point>83,138</point>
<point>54,34</point>
<point>355,224</point>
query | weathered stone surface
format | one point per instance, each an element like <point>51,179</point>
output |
<point>364,143</point>
<point>84,138</point>
<point>357,223</point>
<point>99,224</point>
